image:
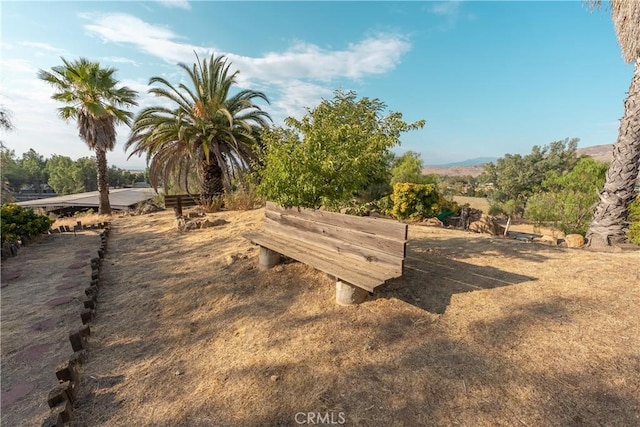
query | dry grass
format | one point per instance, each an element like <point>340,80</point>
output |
<point>479,331</point>
<point>480,203</point>
<point>85,218</point>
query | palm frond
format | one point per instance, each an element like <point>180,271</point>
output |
<point>206,124</point>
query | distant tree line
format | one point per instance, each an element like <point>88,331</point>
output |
<point>33,172</point>
<point>207,134</point>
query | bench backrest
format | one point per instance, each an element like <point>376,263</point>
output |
<point>171,200</point>
<point>380,241</point>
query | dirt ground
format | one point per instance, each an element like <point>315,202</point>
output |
<point>41,292</point>
<point>479,331</point>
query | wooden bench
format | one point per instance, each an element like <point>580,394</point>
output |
<point>361,253</point>
<point>177,201</point>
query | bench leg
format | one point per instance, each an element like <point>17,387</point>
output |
<point>267,258</point>
<point>347,294</point>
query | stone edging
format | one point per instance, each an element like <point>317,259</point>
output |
<point>62,397</point>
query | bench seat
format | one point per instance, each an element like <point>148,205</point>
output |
<point>361,251</point>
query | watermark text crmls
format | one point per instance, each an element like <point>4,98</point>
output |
<point>320,418</point>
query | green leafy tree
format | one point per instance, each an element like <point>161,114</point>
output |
<point>335,151</point>
<point>609,224</point>
<point>516,178</point>
<point>6,157</point>
<point>568,200</point>
<point>5,119</point>
<point>33,164</point>
<point>466,185</point>
<point>94,99</point>
<point>206,128</point>
<point>13,176</point>
<point>86,173</point>
<point>63,175</point>
<point>408,168</point>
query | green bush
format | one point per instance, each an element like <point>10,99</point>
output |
<point>338,149</point>
<point>420,200</point>
<point>17,222</point>
<point>634,221</point>
<point>568,200</point>
<point>243,198</point>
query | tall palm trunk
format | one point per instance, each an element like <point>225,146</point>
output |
<point>212,182</point>
<point>609,223</point>
<point>103,181</point>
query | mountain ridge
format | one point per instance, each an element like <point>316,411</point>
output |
<point>475,166</point>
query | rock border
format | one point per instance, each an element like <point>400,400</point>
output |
<point>62,397</point>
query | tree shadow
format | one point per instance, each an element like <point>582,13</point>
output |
<point>469,245</point>
<point>379,364</point>
<point>431,276</point>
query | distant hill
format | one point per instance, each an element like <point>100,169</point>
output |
<point>471,162</point>
<point>474,167</point>
<point>474,170</point>
<point>599,152</point>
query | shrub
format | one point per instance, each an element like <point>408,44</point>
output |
<point>420,200</point>
<point>17,223</point>
<point>634,221</point>
<point>211,204</point>
<point>244,198</point>
<point>569,199</point>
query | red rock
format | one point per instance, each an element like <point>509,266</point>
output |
<point>76,265</point>
<point>9,275</point>
<point>15,393</point>
<point>46,324</point>
<point>33,353</point>
<point>71,273</point>
<point>59,301</point>
<point>68,285</point>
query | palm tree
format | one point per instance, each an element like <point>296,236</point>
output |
<point>5,119</point>
<point>206,128</point>
<point>93,99</point>
<point>5,125</point>
<point>610,218</point>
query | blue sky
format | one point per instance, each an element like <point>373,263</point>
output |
<point>488,77</point>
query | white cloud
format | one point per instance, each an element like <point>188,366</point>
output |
<point>18,66</point>
<point>42,46</point>
<point>32,109</point>
<point>307,67</point>
<point>179,4</point>
<point>446,8</point>
<point>294,97</point>
<point>375,55</point>
<point>151,39</point>
<point>120,60</point>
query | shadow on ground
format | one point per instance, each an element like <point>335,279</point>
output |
<point>431,276</point>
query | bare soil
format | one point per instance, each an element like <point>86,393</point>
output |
<point>41,296</point>
<point>479,331</point>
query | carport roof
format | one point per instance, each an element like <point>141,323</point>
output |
<point>120,199</point>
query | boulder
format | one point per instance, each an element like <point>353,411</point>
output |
<point>219,221</point>
<point>487,224</point>
<point>574,240</point>
<point>432,222</point>
<point>149,207</point>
